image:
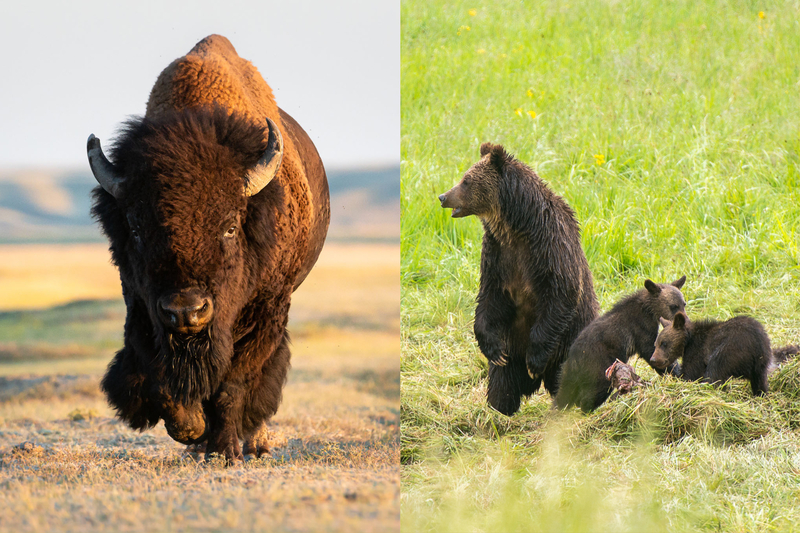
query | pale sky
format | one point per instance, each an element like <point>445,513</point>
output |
<point>71,68</point>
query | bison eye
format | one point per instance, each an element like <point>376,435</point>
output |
<point>230,233</point>
<point>135,234</point>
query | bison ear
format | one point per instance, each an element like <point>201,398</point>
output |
<point>652,288</point>
<point>498,157</point>
<point>679,322</point>
<point>664,322</point>
<point>104,172</point>
<point>486,148</point>
<point>679,282</point>
<point>268,165</point>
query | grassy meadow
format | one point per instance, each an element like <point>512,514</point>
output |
<point>67,464</point>
<point>673,130</point>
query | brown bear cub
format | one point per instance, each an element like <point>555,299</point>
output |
<point>629,328</point>
<point>536,292</point>
<point>716,351</point>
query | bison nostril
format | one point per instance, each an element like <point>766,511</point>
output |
<point>441,198</point>
<point>199,314</point>
<point>168,312</point>
<point>186,311</point>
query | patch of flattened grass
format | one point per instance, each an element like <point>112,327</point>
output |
<point>669,409</point>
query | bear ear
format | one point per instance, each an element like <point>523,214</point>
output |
<point>652,288</point>
<point>486,148</point>
<point>498,157</point>
<point>664,322</point>
<point>679,322</point>
<point>679,282</point>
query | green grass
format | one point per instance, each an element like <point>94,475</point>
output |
<point>80,329</point>
<point>673,130</point>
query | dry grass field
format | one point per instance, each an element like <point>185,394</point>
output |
<point>66,464</point>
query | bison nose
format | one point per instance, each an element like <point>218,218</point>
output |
<point>187,311</point>
<point>442,198</point>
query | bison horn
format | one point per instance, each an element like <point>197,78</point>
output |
<point>268,165</point>
<point>102,169</point>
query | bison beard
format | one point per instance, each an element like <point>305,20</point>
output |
<point>193,364</point>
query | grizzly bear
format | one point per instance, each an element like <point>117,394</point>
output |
<point>629,328</point>
<point>716,351</point>
<point>536,291</point>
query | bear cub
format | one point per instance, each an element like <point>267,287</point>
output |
<point>717,351</point>
<point>536,290</point>
<point>629,328</point>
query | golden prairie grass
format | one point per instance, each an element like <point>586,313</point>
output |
<point>67,464</point>
<point>41,275</point>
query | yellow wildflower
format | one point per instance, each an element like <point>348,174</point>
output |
<point>529,93</point>
<point>462,28</point>
<point>473,12</point>
<point>532,114</point>
<point>518,111</point>
<point>599,159</point>
<point>761,14</point>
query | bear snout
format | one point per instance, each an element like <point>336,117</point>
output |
<point>658,361</point>
<point>450,200</point>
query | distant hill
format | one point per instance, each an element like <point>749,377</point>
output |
<point>53,206</point>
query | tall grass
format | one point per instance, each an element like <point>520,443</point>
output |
<point>673,130</point>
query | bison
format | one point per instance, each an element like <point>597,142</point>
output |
<point>216,207</point>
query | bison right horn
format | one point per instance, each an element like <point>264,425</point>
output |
<point>268,165</point>
<point>102,169</point>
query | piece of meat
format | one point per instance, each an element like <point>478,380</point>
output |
<point>622,377</point>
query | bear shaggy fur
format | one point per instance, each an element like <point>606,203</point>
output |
<point>536,291</point>
<point>629,328</point>
<point>717,351</point>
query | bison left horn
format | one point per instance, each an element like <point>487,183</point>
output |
<point>102,168</point>
<point>268,165</point>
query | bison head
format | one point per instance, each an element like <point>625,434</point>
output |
<point>174,202</point>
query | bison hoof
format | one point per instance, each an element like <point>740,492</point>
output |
<point>187,428</point>
<point>257,444</point>
<point>228,448</point>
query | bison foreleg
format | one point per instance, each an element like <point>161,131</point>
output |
<point>127,390</point>
<point>223,438</point>
<point>258,443</point>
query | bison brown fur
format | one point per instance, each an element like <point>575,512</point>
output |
<point>216,208</point>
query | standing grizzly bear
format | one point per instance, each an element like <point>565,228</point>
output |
<point>629,328</point>
<point>716,351</point>
<point>536,292</point>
